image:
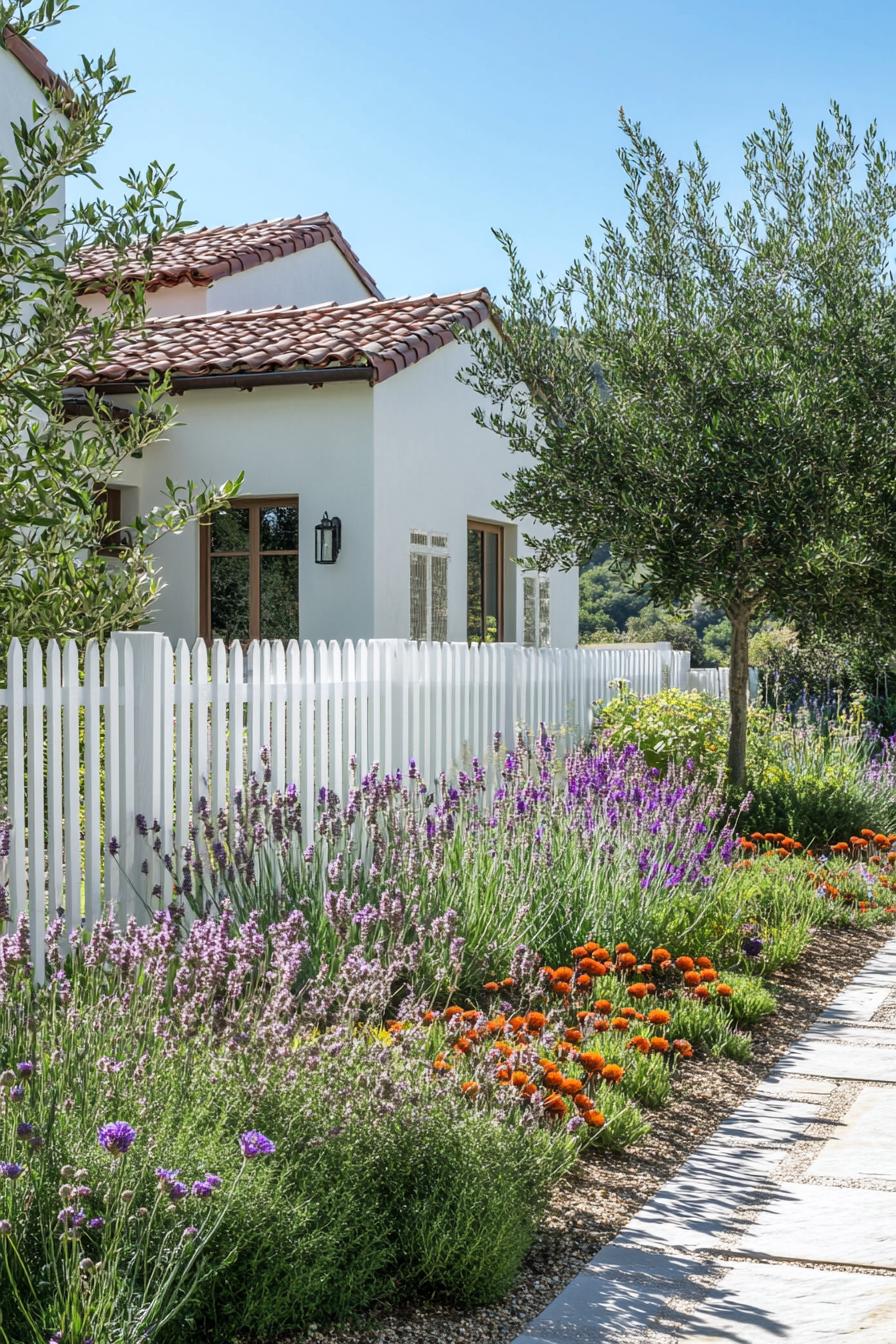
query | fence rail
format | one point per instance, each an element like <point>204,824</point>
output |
<point>95,738</point>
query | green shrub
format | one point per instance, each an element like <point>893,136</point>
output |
<point>670,726</point>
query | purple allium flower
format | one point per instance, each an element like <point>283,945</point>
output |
<point>176,1190</point>
<point>164,1174</point>
<point>5,1227</point>
<point>17,1093</point>
<point>255,1144</point>
<point>25,1068</point>
<point>11,1170</point>
<point>116,1137</point>
<point>211,1179</point>
<point>70,1216</point>
<point>752,947</point>
<point>202,1189</point>
<point>96,1224</point>
<point>114,846</point>
<point>189,1233</point>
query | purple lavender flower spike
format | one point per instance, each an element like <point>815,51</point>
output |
<point>255,1144</point>
<point>11,1170</point>
<point>116,1137</point>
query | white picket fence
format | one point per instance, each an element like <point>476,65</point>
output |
<point>95,737</point>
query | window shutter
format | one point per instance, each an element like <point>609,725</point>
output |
<point>544,611</point>
<point>530,631</point>
<point>419,596</point>
<point>429,586</point>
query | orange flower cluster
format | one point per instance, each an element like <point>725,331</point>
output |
<point>870,847</point>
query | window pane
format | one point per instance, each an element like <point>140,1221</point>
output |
<point>230,597</point>
<point>492,580</point>
<point>230,530</point>
<point>418,596</point>
<point>474,584</point>
<point>279,597</point>
<point>280,528</point>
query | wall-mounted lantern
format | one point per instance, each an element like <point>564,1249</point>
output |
<point>327,540</point>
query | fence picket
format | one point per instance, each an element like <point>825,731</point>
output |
<point>34,900</point>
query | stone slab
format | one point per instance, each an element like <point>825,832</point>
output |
<point>786,1304</point>
<point>858,1002</point>
<point>617,1297</point>
<point>861,1147</point>
<point>709,1202</point>
<point>829,1225</point>
<point>851,1033</point>
<point>793,1087</point>
<point>768,1121</point>
<point>829,1059</point>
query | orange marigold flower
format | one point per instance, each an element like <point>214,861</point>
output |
<point>572,1034</point>
<point>637,991</point>
<point>583,981</point>
<point>546,1064</point>
<point>659,1044</point>
<point>561,987</point>
<point>595,1119</point>
<point>840,848</point>
<point>645,968</point>
<point>554,1104</point>
<point>724,991</point>
<point>563,973</point>
<point>692,977</point>
<point>441,1065</point>
<point>603,1006</point>
<point>517,1021</point>
<point>503,1074</point>
<point>553,1077</point>
<point>529,1090</point>
<point>535,1021</point>
<point>858,842</point>
<point>612,1073</point>
<point>491,986</point>
<point>496,1024</point>
<point>747,846</point>
<point>881,840</point>
<point>650,987</point>
<point>563,1048</point>
<point>453,1010</point>
<point>601,1024</point>
<point>469,1088</point>
<point>591,1060</point>
<point>629,1012</point>
<point>756,835</point>
<point>582,1101</point>
<point>709,976</point>
<point>579,952</point>
<point>429,1015</point>
<point>623,947</point>
<point>570,1086</point>
<point>683,1047</point>
<point>519,1077</point>
<point>641,1043</point>
<point>591,967</point>
<point>705,963</point>
<point>684,963</point>
<point>507,982</point>
<point>659,1017</point>
<point>462,1044</point>
<point>626,960</point>
<point>702,992</point>
<point>620,1024</point>
<point>660,954</point>
<point>867,832</point>
<point>603,954</point>
<point>590,948</point>
<point>504,1047</point>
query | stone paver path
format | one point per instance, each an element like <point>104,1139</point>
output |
<point>781,1228</point>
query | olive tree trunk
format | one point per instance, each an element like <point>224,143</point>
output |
<point>738,691</point>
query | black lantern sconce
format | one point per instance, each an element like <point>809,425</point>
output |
<point>327,540</point>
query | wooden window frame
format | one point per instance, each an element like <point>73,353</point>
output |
<point>255,505</point>
<point>493,529</point>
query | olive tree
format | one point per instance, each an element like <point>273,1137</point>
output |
<point>57,577</point>
<point>711,389</point>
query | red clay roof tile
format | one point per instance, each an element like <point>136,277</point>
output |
<point>383,335</point>
<point>206,255</point>
<point>34,61</point>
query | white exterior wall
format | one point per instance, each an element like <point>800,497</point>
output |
<point>316,443</point>
<point>435,468</point>
<point>318,274</point>
<point>18,92</point>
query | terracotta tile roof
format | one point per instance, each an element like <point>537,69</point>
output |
<point>35,62</point>
<point>383,336</point>
<point>206,255</point>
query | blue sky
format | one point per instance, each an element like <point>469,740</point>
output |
<point>420,126</point>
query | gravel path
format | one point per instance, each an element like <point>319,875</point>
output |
<point>604,1191</point>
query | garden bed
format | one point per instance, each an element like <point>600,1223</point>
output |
<point>605,1189</point>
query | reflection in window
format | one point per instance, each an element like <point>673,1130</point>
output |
<point>485,583</point>
<point>250,587</point>
<point>429,586</point>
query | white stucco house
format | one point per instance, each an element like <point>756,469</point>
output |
<point>288,364</point>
